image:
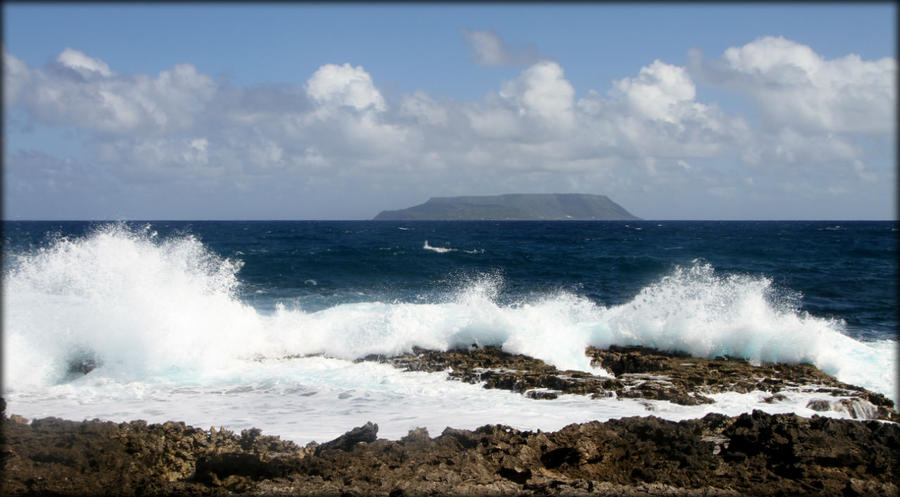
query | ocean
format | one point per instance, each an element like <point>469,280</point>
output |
<point>261,324</point>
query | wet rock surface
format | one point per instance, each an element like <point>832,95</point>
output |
<point>751,454</point>
<point>644,373</point>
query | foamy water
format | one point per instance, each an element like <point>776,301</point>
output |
<point>171,340</point>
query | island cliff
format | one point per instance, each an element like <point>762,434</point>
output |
<point>513,207</point>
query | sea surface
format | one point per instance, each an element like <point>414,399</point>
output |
<point>240,324</point>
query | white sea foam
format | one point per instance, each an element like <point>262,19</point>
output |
<point>139,305</point>
<point>172,340</point>
<point>317,398</point>
<point>440,250</point>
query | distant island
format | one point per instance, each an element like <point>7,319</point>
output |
<point>513,207</point>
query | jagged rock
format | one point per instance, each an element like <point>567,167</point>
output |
<point>819,405</point>
<point>778,397</point>
<point>80,367</point>
<point>643,373</point>
<point>751,454</point>
<point>542,394</point>
<point>361,434</point>
<point>15,418</point>
<point>692,376</point>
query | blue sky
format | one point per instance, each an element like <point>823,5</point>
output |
<point>305,111</point>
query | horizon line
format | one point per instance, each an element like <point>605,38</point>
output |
<point>136,220</point>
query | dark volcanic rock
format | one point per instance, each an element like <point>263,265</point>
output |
<point>695,376</point>
<point>59,457</point>
<point>498,369</point>
<point>645,374</point>
<point>363,434</point>
<point>752,454</point>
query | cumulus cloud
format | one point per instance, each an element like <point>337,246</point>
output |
<point>655,114</point>
<point>794,86</point>
<point>344,85</point>
<point>659,91</point>
<point>544,94</point>
<point>89,95</point>
<point>487,49</point>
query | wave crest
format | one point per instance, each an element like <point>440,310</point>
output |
<point>138,307</point>
<point>134,302</point>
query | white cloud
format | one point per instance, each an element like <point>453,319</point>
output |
<point>796,87</point>
<point>789,147</point>
<point>423,109</point>
<point>92,96</point>
<point>659,91</point>
<point>344,85</point>
<point>84,65</point>
<point>493,121</point>
<point>155,158</point>
<point>532,122</point>
<point>487,49</point>
<point>543,93</point>
<point>656,114</point>
<point>368,135</point>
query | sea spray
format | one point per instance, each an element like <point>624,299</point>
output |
<point>697,311</point>
<point>166,310</point>
<point>135,304</point>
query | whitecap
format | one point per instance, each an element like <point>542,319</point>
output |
<point>440,250</point>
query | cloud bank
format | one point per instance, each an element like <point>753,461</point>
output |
<point>825,135</point>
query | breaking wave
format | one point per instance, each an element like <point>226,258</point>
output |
<point>133,306</point>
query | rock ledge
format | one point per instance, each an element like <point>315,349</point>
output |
<point>751,454</point>
<point>643,373</point>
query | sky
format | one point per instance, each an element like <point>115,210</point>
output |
<point>338,111</point>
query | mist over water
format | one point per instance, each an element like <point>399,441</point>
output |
<point>162,317</point>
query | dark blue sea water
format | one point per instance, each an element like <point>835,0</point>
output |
<point>841,270</point>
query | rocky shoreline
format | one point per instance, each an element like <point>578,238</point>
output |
<point>750,454</point>
<point>643,373</point>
